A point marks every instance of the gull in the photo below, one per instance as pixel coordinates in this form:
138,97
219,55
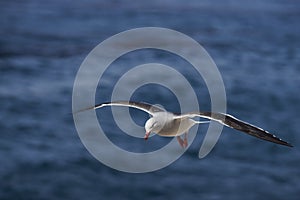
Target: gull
168,124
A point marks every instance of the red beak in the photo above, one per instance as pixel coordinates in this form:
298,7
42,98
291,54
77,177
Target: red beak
147,135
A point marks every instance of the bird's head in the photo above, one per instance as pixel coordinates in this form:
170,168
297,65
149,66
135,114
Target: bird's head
152,125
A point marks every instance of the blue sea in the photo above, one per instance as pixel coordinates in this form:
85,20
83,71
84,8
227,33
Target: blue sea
254,43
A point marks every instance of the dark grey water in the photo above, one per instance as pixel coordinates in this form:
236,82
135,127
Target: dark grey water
255,45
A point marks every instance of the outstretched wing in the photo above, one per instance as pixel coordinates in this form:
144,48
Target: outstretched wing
237,124
151,109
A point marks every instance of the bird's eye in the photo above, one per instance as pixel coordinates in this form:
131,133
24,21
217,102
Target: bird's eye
154,124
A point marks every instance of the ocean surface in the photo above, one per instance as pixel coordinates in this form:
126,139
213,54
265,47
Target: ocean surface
255,44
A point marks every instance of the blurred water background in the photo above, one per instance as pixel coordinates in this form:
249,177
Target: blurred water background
255,44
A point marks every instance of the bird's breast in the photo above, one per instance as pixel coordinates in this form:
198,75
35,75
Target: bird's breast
176,127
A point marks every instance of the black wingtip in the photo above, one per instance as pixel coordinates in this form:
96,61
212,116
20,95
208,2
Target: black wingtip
278,141
82,110
282,142
288,144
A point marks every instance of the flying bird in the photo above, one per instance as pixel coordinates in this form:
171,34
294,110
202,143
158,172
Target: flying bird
168,124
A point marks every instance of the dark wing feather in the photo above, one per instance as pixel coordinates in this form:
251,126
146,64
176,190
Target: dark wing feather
237,124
